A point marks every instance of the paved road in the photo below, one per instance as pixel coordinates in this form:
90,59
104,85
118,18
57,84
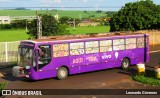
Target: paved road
106,79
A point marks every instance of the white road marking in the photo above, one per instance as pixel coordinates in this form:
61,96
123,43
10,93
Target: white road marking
154,51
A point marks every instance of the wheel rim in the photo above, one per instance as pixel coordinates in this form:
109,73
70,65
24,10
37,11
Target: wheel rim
62,73
125,64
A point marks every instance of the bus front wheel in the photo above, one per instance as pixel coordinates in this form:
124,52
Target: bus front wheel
125,63
62,73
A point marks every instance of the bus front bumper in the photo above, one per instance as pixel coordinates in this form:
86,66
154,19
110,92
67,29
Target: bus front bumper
19,71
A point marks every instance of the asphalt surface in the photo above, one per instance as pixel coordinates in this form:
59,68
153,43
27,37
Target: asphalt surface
106,79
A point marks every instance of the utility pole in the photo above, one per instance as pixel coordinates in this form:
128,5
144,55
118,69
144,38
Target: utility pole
74,23
39,27
26,26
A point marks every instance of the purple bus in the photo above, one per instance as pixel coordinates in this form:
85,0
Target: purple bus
63,56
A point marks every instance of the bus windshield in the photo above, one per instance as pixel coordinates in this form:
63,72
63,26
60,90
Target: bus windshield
25,56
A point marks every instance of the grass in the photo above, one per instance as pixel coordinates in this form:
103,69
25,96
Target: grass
20,34
12,47
16,35
2,86
89,29
147,78
13,35
61,13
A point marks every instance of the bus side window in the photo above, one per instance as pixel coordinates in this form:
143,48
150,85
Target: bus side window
91,47
60,50
118,44
141,41
105,45
77,48
130,43
44,56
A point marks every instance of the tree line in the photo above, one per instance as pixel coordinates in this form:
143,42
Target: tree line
50,26
16,24
140,15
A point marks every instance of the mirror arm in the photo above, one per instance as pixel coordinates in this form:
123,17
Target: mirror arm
40,51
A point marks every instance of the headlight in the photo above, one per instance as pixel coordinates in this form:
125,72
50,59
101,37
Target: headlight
28,67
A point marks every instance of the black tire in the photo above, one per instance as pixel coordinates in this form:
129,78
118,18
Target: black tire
62,73
125,63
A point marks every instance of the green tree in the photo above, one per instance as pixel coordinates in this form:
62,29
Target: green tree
99,11
18,24
5,26
85,11
64,20
136,16
50,26
110,13
62,30
32,29
68,21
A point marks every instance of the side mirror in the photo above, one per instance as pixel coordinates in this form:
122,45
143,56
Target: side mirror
28,67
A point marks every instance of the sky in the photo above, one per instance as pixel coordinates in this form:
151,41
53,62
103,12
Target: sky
62,4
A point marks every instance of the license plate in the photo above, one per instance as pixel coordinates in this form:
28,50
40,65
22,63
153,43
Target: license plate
27,76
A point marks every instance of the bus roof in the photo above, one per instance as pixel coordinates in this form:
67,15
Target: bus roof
86,36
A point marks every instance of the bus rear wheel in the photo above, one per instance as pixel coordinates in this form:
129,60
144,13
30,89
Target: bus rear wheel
62,73
125,63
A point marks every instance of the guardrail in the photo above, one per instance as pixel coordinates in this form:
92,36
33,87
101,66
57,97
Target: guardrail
8,52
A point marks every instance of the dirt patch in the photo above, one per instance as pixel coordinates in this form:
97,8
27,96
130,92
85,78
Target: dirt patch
1,75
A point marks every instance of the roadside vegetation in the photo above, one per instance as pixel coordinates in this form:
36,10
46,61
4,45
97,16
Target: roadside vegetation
2,86
147,78
51,25
61,13
20,34
89,29
13,35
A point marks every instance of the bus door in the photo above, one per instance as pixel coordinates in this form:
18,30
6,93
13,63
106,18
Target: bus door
44,68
